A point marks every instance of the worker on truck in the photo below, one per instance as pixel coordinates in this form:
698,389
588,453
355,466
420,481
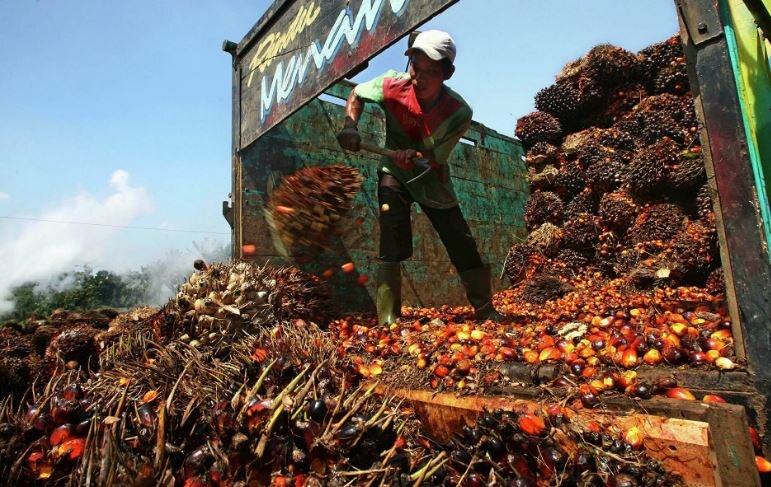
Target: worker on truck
424,118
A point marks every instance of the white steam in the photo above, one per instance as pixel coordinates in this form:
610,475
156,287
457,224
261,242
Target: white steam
40,250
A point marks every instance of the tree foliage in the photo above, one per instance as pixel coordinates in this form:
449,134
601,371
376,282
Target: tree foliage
86,288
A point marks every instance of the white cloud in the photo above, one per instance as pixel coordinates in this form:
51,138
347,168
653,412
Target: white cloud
41,250
4,196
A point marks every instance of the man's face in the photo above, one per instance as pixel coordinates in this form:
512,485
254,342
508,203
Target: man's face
427,77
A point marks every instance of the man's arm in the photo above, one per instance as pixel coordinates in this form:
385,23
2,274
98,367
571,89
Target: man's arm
349,137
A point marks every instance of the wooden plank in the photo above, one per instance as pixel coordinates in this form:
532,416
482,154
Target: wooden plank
301,47
689,438
732,449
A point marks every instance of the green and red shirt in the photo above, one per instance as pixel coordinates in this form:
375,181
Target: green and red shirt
433,133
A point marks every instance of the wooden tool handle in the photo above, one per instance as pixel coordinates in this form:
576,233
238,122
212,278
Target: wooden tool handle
377,149
420,161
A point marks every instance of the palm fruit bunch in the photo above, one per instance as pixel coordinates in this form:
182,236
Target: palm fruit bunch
306,205
695,250
76,343
219,298
704,206
605,176
688,174
542,153
522,262
538,127
618,210
546,239
660,56
574,261
657,222
619,102
612,65
543,207
584,202
664,115
649,170
545,287
570,180
716,282
581,232
15,374
629,173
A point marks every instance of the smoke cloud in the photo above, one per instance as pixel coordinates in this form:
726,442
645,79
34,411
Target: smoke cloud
36,251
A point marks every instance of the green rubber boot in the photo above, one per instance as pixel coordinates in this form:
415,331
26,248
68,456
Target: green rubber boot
479,292
389,292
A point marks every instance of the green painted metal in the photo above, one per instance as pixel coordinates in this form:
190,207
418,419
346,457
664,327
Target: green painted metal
488,172
749,53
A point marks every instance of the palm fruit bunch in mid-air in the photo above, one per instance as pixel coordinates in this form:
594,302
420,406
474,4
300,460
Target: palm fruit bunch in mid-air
615,161
303,209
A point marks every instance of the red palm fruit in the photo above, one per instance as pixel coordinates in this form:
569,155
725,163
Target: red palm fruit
72,392
327,274
441,371
713,399
375,369
507,353
680,393
74,447
61,434
33,458
628,378
531,424
671,339
554,410
634,436
570,357
697,358
348,267
149,396
678,329
147,415
363,279
422,362
588,372
463,366
546,341
531,356
629,359
712,356
764,466
550,353
722,335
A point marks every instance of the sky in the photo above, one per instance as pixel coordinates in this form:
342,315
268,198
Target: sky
117,114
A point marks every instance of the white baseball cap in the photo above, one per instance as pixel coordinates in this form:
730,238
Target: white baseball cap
435,44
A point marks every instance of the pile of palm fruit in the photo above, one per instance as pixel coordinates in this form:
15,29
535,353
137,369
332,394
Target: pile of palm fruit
618,183
214,390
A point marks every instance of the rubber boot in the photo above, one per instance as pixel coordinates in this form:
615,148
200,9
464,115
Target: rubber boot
479,292
389,292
